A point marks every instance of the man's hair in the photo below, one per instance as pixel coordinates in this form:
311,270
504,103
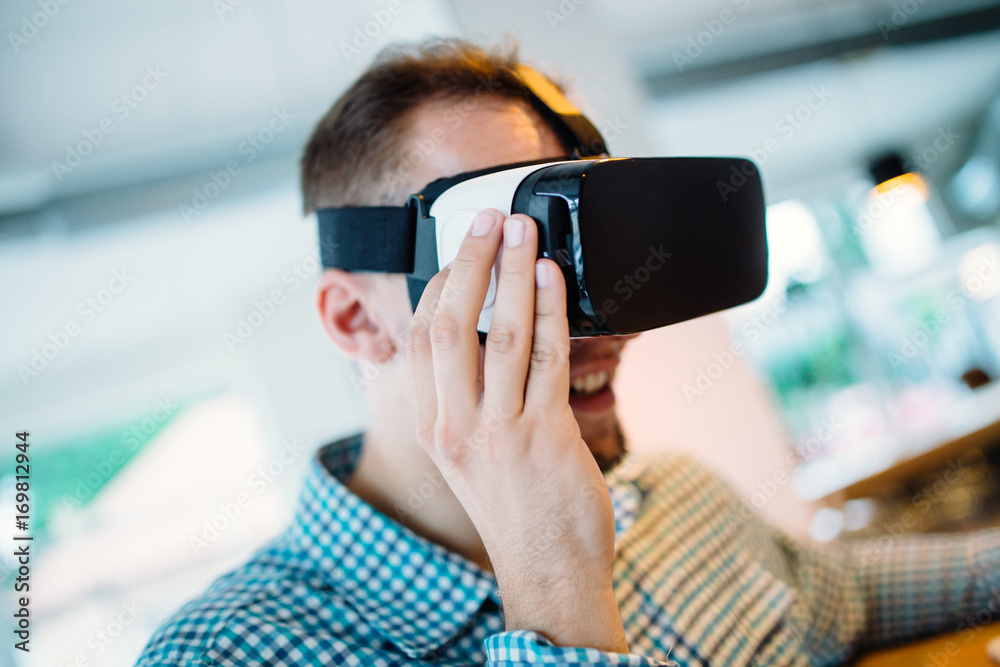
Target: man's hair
355,155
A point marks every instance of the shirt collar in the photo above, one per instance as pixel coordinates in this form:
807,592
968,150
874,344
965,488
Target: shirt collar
382,568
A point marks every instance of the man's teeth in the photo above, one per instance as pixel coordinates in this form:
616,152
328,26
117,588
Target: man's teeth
590,383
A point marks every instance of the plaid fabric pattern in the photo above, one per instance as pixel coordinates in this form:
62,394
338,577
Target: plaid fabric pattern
699,581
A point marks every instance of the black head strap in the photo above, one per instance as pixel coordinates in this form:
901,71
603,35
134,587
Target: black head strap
571,125
367,238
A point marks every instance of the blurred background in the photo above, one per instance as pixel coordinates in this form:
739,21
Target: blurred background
160,342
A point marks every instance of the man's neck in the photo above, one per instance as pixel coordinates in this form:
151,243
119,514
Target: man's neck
396,477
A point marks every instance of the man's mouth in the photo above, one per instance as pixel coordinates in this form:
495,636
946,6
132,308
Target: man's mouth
591,392
588,384
592,369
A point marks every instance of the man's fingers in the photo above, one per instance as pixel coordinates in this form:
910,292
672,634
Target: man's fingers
454,341
548,374
508,345
420,358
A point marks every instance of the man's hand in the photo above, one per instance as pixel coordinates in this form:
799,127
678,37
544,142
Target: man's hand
506,440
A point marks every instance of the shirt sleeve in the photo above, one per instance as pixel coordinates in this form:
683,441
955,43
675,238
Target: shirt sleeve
524,647
922,584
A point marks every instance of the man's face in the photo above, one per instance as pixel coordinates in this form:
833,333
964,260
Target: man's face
499,131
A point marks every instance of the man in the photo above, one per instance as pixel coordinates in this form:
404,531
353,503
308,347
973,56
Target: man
481,517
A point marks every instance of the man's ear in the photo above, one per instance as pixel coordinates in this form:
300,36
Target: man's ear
347,309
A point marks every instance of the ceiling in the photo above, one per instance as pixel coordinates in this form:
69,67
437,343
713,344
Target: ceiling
226,68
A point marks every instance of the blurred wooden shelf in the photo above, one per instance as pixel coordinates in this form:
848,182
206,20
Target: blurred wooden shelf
983,438
856,472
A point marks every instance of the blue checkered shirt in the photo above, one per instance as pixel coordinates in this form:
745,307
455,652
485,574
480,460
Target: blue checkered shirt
698,578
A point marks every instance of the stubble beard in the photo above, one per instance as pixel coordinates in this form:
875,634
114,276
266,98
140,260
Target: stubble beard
606,441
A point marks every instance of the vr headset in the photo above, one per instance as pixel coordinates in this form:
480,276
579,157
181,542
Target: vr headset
642,242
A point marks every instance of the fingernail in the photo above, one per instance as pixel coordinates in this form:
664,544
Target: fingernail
541,274
513,232
483,223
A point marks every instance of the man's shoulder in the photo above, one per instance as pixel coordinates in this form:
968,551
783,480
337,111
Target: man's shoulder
651,470
274,600
676,486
